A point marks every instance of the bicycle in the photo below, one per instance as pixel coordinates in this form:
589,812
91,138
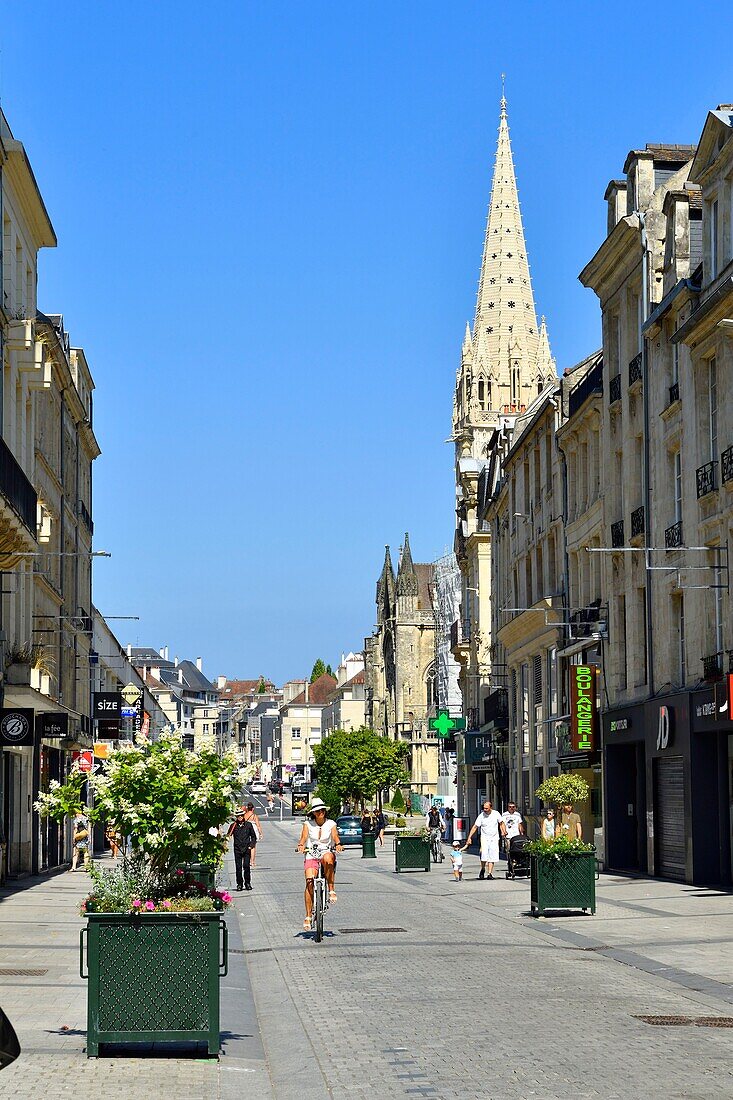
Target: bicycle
436,845
320,896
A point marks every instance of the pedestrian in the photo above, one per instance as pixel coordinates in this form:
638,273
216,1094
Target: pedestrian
244,839
280,788
548,825
111,835
570,825
80,840
512,821
367,823
491,827
380,824
250,815
456,858
270,802
408,804
450,813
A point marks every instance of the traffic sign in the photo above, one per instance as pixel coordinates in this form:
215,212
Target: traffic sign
85,761
444,725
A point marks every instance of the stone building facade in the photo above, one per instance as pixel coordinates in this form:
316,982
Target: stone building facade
400,665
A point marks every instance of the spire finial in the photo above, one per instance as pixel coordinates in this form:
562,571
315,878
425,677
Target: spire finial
503,97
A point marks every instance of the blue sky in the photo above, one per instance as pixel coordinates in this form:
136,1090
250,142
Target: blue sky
270,220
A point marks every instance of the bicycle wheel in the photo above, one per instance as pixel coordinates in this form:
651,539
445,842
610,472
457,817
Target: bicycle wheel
318,892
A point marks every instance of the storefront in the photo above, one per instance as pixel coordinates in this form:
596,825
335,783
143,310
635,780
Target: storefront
483,770
668,767
578,748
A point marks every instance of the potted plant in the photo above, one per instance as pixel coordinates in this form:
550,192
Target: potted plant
156,941
563,869
412,850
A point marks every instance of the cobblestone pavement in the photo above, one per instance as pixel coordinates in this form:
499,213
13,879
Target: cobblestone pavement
423,987
475,998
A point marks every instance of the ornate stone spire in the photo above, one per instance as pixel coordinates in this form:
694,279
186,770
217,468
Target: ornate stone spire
406,575
546,366
505,336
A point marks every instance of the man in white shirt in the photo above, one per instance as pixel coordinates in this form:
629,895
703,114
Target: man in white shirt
490,822
512,820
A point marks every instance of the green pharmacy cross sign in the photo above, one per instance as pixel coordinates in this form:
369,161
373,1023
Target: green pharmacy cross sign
444,725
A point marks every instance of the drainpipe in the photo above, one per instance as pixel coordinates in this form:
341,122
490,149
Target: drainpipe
646,471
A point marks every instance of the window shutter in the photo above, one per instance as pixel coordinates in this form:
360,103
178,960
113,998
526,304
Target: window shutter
537,679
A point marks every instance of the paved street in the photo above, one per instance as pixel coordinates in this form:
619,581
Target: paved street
448,990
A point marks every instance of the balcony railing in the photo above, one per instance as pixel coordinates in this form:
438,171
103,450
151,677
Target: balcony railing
496,705
614,389
637,522
726,465
17,489
674,393
706,479
673,536
460,633
635,369
712,666
617,533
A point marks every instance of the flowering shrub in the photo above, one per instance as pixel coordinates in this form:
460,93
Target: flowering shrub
169,800
558,848
563,789
134,887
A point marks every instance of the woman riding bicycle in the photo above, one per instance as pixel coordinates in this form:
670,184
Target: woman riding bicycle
319,839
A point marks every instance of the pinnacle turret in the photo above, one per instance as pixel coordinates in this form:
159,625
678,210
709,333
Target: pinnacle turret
406,575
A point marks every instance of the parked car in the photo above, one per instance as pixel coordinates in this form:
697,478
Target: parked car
258,786
349,830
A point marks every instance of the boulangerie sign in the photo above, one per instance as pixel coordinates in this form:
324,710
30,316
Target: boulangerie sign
583,708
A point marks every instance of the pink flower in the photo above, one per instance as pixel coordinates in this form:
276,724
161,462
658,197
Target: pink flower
179,871
166,904
226,898
136,903
150,905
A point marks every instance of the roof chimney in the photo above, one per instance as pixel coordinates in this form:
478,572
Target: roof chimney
166,653
199,664
129,649
161,653
175,662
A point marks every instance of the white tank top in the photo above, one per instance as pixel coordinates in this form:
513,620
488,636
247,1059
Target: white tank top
319,836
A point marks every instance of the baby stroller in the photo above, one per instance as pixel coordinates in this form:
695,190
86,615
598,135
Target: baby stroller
518,857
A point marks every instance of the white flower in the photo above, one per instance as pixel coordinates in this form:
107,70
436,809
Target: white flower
213,831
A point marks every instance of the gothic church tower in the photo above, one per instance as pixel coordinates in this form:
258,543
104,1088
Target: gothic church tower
506,360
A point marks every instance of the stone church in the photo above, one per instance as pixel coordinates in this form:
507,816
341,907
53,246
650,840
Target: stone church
401,663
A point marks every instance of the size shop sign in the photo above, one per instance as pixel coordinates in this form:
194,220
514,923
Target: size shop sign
583,708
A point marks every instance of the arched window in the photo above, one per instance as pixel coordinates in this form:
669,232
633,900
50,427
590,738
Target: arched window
431,697
481,392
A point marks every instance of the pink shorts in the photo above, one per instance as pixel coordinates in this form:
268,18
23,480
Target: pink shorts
312,864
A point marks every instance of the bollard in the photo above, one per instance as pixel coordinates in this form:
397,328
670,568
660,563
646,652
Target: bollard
368,850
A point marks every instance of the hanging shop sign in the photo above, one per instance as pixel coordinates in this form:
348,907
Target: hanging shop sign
53,724
583,708
107,706
664,728
132,694
16,727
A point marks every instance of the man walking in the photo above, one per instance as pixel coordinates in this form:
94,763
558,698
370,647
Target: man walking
244,838
513,823
490,824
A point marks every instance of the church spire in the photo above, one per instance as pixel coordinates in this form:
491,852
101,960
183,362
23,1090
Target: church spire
505,327
546,366
406,575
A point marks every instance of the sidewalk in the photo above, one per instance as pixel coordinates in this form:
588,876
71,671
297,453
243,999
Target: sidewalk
45,999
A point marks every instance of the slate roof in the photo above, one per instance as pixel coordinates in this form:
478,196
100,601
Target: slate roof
248,687
424,586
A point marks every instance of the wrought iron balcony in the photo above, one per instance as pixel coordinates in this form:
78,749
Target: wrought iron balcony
17,489
726,465
614,389
460,633
635,369
673,536
496,705
617,533
637,522
591,384
712,666
674,393
707,480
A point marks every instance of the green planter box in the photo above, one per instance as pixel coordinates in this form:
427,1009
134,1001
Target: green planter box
411,853
153,978
568,883
368,850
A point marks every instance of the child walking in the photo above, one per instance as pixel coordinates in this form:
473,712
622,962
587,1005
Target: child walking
456,858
